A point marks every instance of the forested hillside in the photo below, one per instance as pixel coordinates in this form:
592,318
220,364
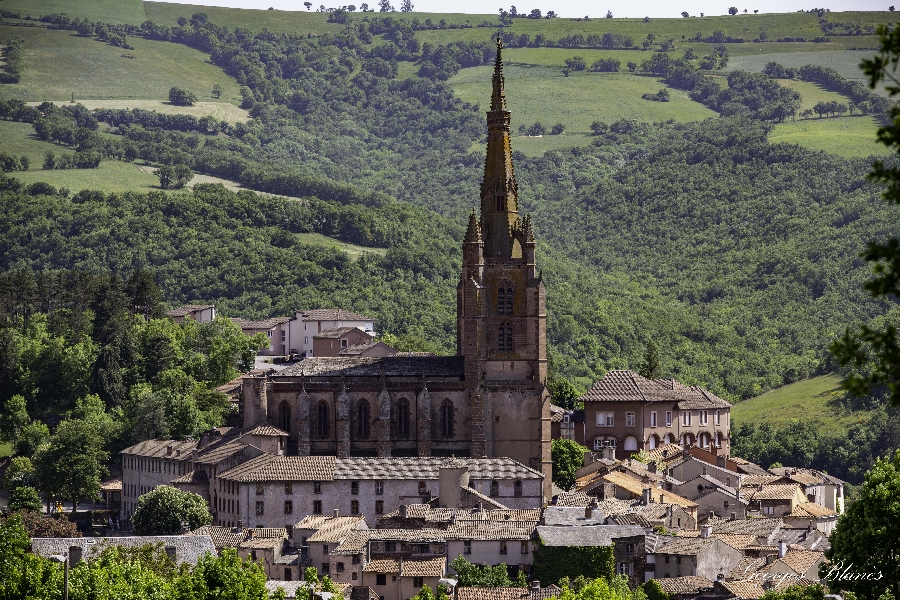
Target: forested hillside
738,257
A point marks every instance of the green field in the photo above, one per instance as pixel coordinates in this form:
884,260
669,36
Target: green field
110,176
811,93
104,11
56,64
222,111
18,138
354,252
278,21
545,95
845,62
845,136
811,401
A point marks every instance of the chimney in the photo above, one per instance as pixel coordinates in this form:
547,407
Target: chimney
662,498
759,487
169,450
75,553
195,456
651,468
404,511
535,586
712,515
721,460
782,548
645,500
337,513
587,512
705,531
609,452
668,511
178,452
240,526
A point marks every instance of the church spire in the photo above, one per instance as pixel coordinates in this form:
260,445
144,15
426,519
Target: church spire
499,190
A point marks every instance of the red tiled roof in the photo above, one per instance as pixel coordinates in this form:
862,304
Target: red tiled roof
627,386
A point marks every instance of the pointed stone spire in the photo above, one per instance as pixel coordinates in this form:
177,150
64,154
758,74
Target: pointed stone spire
473,232
499,190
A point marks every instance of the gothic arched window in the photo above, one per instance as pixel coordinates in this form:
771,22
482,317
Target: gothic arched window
400,419
505,300
504,337
363,424
284,416
447,418
322,421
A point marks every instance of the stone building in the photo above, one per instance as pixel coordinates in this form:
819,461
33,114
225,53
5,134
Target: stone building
489,400
631,413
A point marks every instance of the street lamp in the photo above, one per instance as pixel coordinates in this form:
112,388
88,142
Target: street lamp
64,559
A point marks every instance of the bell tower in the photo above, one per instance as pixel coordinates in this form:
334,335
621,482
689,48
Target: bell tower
501,311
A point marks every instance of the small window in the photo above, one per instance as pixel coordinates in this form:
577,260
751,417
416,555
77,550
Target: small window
379,507
354,487
629,419
288,507
326,568
517,488
288,488
678,559
667,560
668,418
259,489
623,568
718,417
381,579
726,504
317,487
317,507
686,418
355,559
390,546
467,547
325,549
343,343
288,574
260,507
653,418
502,547
524,549
418,582
353,577
340,567
495,488
629,548
704,417
610,419
354,507
379,488
422,488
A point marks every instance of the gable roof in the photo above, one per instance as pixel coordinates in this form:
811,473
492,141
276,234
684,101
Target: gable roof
183,311
375,366
230,537
637,487
507,593
491,530
336,332
574,498
627,386
811,509
777,491
271,467
331,314
411,567
336,529
188,548
562,515
587,535
748,589
685,585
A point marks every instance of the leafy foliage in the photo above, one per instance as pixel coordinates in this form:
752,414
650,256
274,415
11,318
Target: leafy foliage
558,564
24,498
470,575
568,457
600,588
57,525
71,465
163,510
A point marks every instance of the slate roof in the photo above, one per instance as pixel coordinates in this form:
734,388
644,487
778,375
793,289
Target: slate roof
812,510
331,314
271,467
685,585
412,567
784,491
758,527
182,311
491,530
630,519
560,515
336,332
267,430
587,535
336,529
188,548
360,347
197,476
627,386
684,546
574,498
374,366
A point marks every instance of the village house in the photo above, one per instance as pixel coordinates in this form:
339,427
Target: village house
793,565
275,328
374,348
714,498
777,500
202,313
402,578
631,413
270,547
306,324
809,515
703,556
821,488
688,467
330,342
317,535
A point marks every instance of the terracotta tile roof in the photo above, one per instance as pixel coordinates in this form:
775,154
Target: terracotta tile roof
269,467
786,582
615,506
758,527
666,452
736,540
267,430
784,491
197,476
627,386
336,529
685,585
261,543
159,449
336,332
497,514
507,593
575,498
331,314
428,467
218,453
408,535
374,366
111,485
636,486
800,561
360,347
819,476
263,324
684,546
754,480
491,530
556,413
355,542
187,309
630,519
229,537
744,590
745,568
811,509
412,567
471,496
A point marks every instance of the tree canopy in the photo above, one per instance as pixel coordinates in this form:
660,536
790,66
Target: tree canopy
163,511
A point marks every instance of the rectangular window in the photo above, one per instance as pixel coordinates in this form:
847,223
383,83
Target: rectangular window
325,549
354,507
390,546
601,419
379,488
668,418
629,548
326,568
768,510
653,418
354,487
355,559
260,507
718,417
502,547
317,487
609,419
340,567
629,419
288,488
686,418
288,507
379,507
704,417
380,579
317,507
418,582
623,568
467,547
524,548
259,489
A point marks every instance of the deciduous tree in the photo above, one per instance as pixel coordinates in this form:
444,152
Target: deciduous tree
163,510
568,457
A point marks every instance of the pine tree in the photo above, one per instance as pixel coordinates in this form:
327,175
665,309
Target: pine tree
650,365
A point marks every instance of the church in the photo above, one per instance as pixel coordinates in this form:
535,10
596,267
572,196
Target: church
490,400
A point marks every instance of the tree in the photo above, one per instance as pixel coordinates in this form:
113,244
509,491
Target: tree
23,574
891,8
71,465
308,5
654,591
180,97
24,498
19,472
166,174
537,129
535,13
733,10
39,526
385,6
685,14
609,14
599,127
31,437
406,6
650,365
426,594
216,91
13,418
863,540
163,510
568,457
484,576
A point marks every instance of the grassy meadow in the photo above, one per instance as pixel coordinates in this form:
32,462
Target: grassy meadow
57,64
129,12
300,21
19,139
110,176
849,137
222,111
813,400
